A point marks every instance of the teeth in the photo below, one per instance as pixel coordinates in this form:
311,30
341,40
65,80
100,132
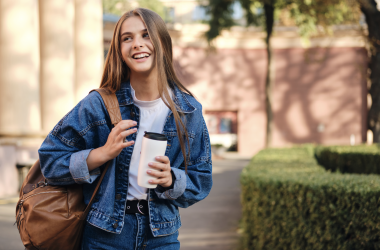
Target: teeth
141,55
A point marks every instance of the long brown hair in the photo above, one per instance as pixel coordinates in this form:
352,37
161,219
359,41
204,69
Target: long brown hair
115,71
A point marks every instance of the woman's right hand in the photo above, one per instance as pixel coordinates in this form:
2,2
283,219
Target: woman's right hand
114,145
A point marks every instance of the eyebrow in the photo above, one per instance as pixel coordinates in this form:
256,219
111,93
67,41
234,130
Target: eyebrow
129,33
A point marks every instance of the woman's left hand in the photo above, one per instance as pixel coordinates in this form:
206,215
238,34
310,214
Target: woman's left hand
162,172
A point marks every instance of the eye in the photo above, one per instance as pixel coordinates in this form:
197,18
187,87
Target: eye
146,35
126,38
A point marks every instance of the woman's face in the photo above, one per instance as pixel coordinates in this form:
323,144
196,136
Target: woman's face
136,47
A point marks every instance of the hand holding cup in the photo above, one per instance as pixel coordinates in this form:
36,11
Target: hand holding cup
161,172
153,145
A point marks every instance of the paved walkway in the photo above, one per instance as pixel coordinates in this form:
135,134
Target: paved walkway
9,237
210,224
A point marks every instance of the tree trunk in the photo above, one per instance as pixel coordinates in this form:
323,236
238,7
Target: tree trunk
372,15
269,20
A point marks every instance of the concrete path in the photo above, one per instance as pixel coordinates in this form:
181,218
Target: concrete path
210,224
9,237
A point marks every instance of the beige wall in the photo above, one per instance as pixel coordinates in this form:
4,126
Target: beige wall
57,60
51,56
88,39
19,68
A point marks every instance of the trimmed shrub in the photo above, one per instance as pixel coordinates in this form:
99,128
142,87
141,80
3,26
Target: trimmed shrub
290,202
350,159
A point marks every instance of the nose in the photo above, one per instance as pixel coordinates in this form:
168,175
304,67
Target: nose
137,42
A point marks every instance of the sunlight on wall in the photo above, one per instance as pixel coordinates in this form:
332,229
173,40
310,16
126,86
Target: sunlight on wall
19,59
34,122
88,40
57,60
295,113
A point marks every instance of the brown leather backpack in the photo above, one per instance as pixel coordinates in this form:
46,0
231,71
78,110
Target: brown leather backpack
52,217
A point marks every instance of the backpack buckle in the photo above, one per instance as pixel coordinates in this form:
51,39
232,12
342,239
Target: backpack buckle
42,183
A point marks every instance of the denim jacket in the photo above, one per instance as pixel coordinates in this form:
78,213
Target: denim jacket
64,152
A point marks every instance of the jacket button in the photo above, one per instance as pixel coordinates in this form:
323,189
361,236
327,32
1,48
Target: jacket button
133,114
118,196
115,225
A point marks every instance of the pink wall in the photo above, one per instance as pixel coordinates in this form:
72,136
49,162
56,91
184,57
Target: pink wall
322,87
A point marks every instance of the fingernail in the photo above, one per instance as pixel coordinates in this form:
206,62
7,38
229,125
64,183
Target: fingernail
149,171
150,181
157,157
132,142
134,123
135,129
150,164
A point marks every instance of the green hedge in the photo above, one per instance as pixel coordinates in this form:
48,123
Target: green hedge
290,202
350,159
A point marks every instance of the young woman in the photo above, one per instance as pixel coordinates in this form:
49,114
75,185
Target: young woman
124,215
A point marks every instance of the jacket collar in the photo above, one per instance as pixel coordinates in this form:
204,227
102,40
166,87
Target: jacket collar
183,105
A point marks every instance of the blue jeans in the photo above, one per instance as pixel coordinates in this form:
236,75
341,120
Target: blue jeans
136,234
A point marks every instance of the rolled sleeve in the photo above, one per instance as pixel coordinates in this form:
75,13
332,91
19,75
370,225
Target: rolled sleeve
79,169
178,187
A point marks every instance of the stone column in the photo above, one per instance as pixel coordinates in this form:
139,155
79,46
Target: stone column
57,60
88,46
19,68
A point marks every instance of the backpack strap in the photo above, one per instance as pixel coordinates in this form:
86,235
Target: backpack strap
112,105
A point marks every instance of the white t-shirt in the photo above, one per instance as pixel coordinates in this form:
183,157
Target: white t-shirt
152,119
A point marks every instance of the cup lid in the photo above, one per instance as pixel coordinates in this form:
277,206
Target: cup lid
155,136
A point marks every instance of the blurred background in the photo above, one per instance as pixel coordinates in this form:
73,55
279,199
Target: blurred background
268,73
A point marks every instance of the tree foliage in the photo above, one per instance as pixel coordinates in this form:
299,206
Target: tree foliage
154,5
119,7
221,17
310,16
116,7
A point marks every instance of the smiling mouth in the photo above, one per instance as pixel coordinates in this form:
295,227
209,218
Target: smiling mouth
139,56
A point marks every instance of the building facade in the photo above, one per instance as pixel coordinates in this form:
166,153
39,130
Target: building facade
51,55
320,89
319,92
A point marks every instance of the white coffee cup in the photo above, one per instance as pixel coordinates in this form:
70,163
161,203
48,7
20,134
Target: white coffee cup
153,145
